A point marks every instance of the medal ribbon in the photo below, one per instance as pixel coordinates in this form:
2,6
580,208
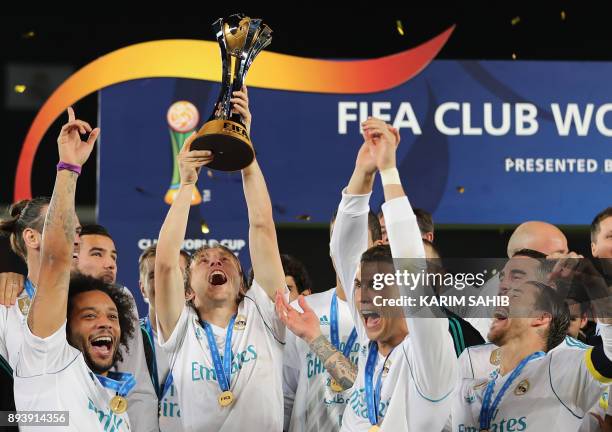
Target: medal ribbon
122,383
29,287
334,332
372,395
487,410
159,390
222,369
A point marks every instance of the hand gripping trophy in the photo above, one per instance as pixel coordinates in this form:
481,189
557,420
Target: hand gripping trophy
240,38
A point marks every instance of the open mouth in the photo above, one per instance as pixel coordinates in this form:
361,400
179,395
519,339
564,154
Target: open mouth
501,314
372,319
217,277
102,345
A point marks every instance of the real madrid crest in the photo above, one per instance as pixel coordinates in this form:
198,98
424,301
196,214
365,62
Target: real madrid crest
386,367
240,323
495,358
522,388
24,305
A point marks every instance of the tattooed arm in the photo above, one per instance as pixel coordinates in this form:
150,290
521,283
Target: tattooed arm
306,325
339,367
49,307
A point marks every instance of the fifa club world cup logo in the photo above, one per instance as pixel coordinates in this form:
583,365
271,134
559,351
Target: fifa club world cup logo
183,118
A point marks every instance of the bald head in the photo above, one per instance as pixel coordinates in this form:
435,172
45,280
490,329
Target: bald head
538,236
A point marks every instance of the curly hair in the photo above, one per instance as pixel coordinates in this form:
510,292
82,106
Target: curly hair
80,283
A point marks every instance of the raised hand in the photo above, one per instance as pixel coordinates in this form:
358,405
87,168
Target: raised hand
71,148
11,285
304,325
191,162
240,105
382,141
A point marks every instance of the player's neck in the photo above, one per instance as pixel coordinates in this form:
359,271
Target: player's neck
218,314
340,290
387,345
516,350
33,263
152,318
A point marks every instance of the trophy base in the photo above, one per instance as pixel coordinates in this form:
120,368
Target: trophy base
229,142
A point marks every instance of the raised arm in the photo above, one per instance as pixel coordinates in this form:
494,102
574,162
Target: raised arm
305,325
432,355
49,307
350,232
263,245
169,282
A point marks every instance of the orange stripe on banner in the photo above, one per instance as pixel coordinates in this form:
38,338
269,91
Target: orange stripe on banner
201,60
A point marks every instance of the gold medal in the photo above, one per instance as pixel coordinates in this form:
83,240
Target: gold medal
335,386
118,404
226,398
374,428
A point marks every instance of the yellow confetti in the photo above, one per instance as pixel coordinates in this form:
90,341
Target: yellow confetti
516,20
460,189
303,217
400,27
204,227
513,56
562,15
20,88
29,35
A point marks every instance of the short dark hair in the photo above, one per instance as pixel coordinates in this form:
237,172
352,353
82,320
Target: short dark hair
296,269
94,229
546,265
549,300
80,283
432,246
151,251
373,225
596,224
424,220
378,253
24,214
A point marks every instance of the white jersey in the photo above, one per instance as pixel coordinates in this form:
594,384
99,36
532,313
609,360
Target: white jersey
12,321
52,375
142,400
421,372
310,404
169,409
256,380
553,392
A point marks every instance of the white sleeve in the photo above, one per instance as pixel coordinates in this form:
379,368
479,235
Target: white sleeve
291,375
432,355
175,341
465,365
579,376
143,399
40,356
265,305
3,330
348,242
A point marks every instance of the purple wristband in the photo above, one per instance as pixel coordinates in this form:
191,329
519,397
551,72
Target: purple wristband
70,167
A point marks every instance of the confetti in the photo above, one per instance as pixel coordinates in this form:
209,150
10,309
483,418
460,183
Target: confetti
400,27
20,88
